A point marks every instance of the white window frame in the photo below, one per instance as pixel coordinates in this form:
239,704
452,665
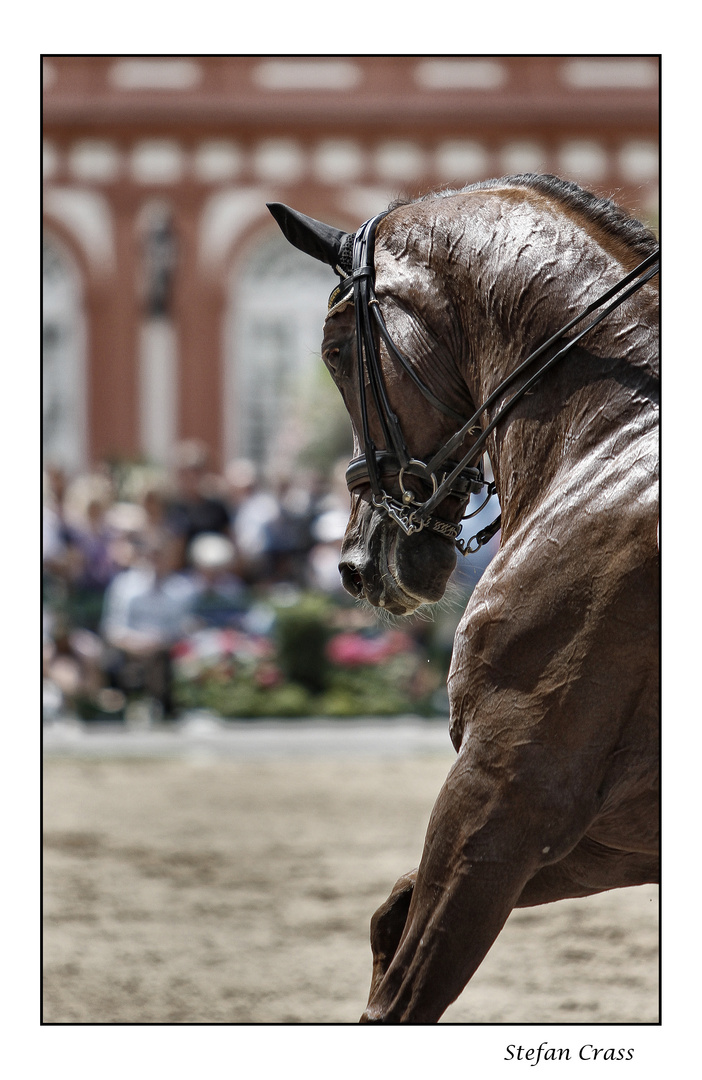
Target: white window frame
273,333
64,365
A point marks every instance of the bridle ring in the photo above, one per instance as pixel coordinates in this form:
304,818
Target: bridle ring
408,497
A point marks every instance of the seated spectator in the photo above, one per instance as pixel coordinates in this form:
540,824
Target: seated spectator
155,505
53,523
147,609
55,485
93,565
323,560
255,514
328,529
71,666
220,596
77,556
139,522
54,546
290,536
194,509
127,521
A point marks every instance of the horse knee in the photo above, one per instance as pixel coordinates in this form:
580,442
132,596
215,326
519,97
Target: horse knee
389,920
387,925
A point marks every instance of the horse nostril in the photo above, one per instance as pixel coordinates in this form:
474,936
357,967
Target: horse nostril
351,579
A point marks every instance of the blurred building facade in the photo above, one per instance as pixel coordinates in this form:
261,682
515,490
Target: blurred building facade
172,306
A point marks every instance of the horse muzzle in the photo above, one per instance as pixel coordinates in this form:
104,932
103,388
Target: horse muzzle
392,571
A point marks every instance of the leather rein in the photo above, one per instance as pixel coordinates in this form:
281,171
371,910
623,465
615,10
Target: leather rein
445,475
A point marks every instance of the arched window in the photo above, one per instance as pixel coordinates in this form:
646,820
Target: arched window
274,334
63,359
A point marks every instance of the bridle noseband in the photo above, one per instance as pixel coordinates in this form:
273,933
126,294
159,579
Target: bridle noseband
445,476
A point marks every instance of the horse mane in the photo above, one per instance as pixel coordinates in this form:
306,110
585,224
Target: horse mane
601,212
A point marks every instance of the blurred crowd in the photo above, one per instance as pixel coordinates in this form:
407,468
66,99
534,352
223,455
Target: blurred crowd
135,560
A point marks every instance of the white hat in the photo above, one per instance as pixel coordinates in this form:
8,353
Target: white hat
211,551
330,526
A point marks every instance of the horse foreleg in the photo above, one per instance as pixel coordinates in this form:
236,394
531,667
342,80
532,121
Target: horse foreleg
387,925
488,836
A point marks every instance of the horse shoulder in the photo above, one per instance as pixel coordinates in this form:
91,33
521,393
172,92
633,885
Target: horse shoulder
563,624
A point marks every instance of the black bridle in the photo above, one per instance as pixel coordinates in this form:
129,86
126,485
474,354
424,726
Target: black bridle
445,476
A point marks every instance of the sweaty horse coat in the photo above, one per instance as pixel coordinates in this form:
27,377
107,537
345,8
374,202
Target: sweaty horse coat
553,684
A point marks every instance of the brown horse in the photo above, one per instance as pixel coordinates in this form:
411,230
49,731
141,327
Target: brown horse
554,681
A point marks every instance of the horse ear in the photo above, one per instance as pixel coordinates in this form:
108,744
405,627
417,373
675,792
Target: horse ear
321,241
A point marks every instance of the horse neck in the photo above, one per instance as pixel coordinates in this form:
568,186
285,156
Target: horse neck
521,294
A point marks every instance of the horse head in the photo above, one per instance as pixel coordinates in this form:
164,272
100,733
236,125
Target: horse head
391,568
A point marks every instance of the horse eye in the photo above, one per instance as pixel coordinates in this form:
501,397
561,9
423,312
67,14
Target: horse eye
331,359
